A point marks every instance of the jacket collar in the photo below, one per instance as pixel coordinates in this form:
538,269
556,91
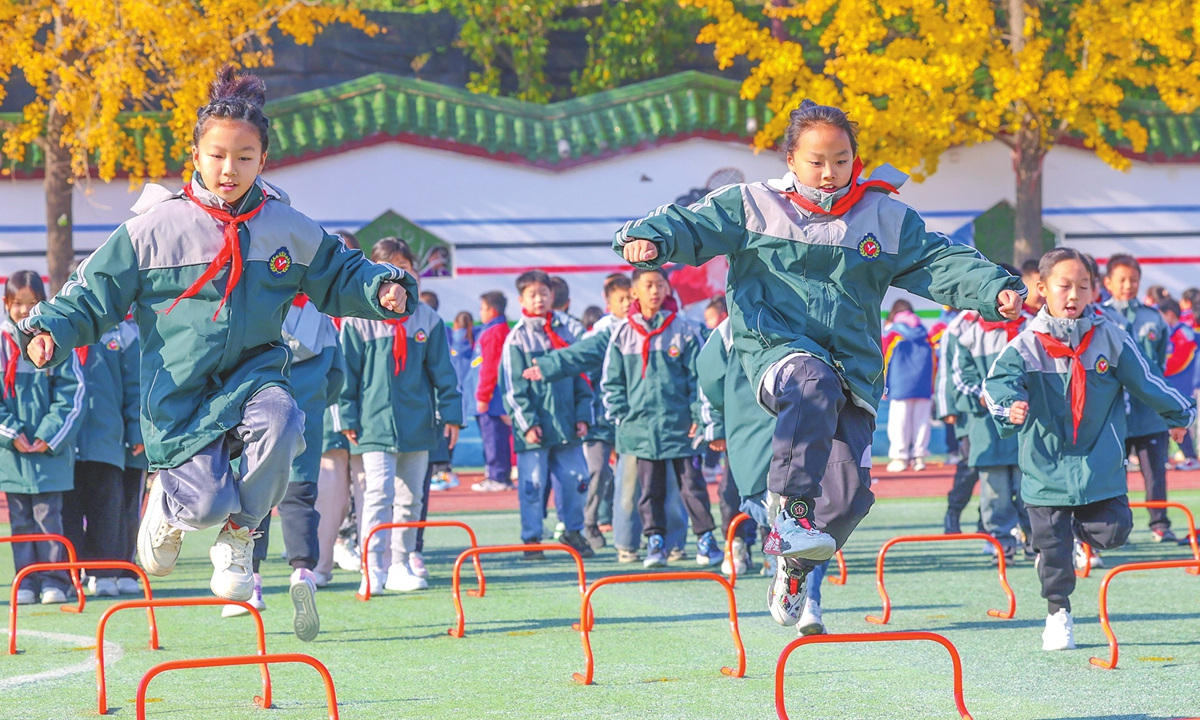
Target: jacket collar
884,172
153,194
1069,331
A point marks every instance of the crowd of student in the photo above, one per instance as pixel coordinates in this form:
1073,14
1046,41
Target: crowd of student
785,380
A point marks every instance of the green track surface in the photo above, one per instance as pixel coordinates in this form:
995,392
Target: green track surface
658,647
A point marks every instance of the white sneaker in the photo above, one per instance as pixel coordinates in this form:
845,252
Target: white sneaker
377,582
321,579
233,577
798,539
768,565
897,466
416,564
1188,465
53,596
810,620
346,557
158,542
918,464
102,587
786,594
128,586
303,590
26,597
741,558
1081,559
490,486
256,601
559,529
1060,632
953,459
401,579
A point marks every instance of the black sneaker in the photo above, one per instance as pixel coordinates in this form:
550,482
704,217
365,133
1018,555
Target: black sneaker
534,554
1010,554
594,537
575,540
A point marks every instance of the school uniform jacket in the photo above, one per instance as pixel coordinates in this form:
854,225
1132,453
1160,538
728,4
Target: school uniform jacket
556,406
403,411
813,283
945,395
1057,468
317,374
197,372
110,411
654,411
42,404
745,426
978,348
587,357
1151,336
131,363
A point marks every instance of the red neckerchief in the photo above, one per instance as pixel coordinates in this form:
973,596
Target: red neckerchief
300,301
556,340
647,335
231,250
1011,327
82,352
847,201
399,344
1056,348
10,367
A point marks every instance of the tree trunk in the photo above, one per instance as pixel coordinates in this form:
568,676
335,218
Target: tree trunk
778,31
59,186
1027,228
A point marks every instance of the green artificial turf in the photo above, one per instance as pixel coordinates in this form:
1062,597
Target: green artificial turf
659,647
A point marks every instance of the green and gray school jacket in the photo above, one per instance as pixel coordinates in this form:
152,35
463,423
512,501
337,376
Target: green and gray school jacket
555,406
1152,337
653,413
131,361
110,407
813,283
317,376
945,395
197,372
402,412
45,405
1057,470
977,350
746,427
587,357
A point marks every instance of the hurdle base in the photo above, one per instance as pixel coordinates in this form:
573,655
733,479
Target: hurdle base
876,620
579,678
1102,664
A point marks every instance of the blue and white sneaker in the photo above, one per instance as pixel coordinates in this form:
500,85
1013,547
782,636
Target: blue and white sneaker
656,556
707,552
787,592
793,535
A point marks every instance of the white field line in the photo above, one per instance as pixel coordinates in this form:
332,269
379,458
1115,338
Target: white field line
112,653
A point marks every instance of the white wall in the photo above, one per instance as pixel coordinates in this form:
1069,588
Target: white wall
472,201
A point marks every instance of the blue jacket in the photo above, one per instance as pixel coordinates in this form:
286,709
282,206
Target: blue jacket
462,350
908,362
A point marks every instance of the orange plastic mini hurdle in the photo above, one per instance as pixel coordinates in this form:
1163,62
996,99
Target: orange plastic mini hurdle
280,658
732,533
422,524
1191,521
71,557
475,552
887,603
78,565
781,711
1111,663
102,694
586,616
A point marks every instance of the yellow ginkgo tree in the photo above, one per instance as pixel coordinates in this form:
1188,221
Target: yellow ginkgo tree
921,76
117,82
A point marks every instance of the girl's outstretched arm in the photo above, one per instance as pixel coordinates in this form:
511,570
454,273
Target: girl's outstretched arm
342,282
690,235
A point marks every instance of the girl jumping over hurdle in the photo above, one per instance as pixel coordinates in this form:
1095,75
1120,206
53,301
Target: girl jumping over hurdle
810,258
209,273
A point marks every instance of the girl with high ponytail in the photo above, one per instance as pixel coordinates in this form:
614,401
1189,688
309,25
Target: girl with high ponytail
811,256
209,274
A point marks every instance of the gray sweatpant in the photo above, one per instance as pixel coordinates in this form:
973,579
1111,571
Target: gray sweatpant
205,491
1000,507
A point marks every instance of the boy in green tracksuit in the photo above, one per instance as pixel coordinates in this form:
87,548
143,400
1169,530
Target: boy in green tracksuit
652,396
550,419
209,273
400,394
1061,386
810,258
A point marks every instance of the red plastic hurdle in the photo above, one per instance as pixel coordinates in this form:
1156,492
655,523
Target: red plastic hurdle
781,711
102,694
732,533
277,659
422,524
79,565
1111,663
475,552
587,616
71,557
887,602
1191,521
